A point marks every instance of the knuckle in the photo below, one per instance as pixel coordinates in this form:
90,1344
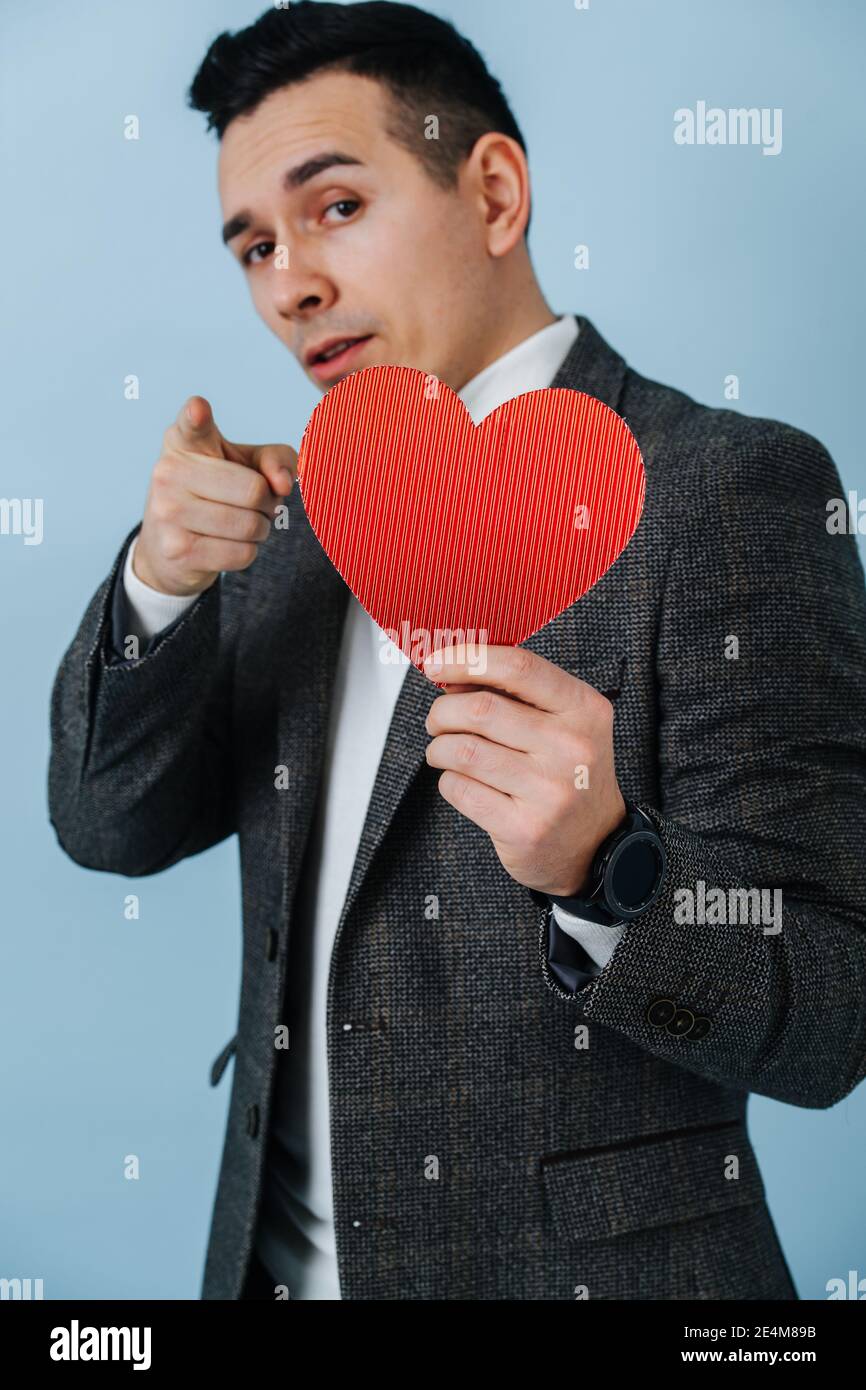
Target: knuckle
246,554
478,797
164,506
468,751
164,471
482,704
600,706
174,543
248,526
521,661
459,793
257,491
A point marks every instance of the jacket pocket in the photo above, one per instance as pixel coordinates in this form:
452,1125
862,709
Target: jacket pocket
594,1194
606,675
221,1062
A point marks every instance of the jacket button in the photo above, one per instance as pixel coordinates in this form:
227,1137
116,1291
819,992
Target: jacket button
660,1012
272,941
252,1120
681,1023
699,1028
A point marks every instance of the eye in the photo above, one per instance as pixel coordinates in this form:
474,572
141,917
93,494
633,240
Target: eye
346,207
250,258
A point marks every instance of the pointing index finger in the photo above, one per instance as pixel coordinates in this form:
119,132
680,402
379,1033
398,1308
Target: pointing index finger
197,428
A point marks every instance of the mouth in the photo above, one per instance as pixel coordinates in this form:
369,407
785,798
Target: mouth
331,358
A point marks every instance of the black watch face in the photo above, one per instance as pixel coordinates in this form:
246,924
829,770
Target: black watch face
634,873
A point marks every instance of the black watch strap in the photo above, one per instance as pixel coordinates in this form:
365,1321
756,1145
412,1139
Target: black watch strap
621,887
587,910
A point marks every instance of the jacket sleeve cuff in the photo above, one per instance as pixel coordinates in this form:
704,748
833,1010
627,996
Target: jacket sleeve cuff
564,961
122,627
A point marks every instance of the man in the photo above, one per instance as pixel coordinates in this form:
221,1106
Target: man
486,1094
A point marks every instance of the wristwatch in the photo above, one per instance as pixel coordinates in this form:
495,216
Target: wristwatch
626,875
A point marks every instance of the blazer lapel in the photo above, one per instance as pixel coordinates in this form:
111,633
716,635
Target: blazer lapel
590,366
306,649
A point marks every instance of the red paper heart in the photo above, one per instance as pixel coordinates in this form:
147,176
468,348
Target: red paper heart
441,527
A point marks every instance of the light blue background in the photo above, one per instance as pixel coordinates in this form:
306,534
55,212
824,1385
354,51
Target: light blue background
704,261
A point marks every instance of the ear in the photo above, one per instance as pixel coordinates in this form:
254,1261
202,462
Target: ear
497,178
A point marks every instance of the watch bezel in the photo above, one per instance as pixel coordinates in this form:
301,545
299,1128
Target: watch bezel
599,903
611,861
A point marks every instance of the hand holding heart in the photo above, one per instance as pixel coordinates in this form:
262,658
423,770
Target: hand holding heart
486,534
514,754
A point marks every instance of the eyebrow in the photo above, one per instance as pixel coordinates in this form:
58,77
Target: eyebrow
293,178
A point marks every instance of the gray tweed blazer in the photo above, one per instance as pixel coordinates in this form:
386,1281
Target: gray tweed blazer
590,1142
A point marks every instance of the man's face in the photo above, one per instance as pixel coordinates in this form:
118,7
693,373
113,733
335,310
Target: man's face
377,252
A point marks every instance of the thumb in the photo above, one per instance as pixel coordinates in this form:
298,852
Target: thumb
278,464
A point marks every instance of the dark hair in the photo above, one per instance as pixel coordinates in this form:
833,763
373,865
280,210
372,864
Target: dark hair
427,67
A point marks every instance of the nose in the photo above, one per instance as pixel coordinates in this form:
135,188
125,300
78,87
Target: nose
300,289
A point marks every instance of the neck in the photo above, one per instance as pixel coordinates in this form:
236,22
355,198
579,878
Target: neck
528,313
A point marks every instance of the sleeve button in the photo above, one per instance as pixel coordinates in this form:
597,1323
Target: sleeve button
660,1012
681,1023
699,1028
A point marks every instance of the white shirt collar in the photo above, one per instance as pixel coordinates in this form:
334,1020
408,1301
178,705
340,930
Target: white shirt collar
530,366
